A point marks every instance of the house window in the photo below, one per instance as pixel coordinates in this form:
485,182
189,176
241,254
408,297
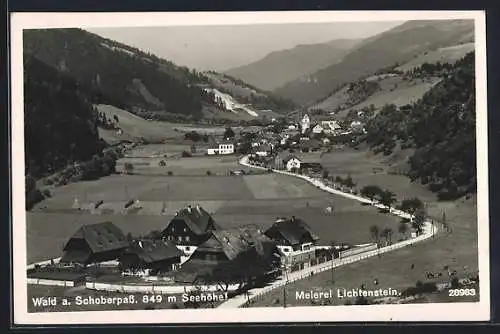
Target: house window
187,238
185,229
179,238
170,238
187,249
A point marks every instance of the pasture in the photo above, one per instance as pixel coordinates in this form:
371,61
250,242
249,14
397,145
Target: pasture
136,127
234,201
458,249
175,164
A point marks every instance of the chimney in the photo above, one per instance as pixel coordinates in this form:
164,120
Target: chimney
198,207
189,208
140,243
293,218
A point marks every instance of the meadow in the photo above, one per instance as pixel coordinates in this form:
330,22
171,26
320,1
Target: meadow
234,201
457,249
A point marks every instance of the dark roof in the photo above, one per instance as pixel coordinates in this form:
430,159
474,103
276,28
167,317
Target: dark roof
192,270
153,250
76,255
214,142
238,240
311,143
289,157
197,219
293,230
101,237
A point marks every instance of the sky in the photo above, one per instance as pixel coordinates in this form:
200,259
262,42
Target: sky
224,47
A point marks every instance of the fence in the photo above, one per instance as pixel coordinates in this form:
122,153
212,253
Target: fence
329,265
42,281
156,289
43,263
367,252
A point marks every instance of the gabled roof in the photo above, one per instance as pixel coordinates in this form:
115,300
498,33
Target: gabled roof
293,230
101,237
238,240
153,250
289,157
197,219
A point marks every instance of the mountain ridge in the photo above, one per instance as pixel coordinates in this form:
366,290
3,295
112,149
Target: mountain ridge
279,67
395,46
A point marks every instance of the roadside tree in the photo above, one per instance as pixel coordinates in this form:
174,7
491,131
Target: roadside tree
371,191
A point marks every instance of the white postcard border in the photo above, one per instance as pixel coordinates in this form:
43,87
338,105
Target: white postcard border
479,311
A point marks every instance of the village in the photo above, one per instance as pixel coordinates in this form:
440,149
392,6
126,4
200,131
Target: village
193,252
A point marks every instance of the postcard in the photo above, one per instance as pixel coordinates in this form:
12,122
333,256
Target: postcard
249,167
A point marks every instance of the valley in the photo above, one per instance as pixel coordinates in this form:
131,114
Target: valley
218,170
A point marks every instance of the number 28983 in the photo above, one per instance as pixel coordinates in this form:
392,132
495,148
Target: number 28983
461,292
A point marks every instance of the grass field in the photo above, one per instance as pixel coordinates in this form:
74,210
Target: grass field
146,161
136,127
235,201
457,249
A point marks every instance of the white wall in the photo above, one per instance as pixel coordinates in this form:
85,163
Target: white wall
226,148
292,163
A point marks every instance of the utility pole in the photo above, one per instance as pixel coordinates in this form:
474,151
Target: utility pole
285,267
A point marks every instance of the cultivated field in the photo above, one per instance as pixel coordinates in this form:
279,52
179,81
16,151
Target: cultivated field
234,201
146,161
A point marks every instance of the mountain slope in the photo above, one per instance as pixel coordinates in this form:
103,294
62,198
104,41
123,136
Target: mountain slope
396,46
118,74
440,128
60,122
279,67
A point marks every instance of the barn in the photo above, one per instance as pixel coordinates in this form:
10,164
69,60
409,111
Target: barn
237,252
95,243
158,256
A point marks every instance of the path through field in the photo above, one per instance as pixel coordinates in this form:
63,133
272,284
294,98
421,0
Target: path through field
428,231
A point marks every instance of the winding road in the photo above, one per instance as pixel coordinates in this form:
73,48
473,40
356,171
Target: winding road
428,231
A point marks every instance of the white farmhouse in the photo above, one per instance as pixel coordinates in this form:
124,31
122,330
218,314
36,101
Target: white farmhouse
222,148
317,129
291,162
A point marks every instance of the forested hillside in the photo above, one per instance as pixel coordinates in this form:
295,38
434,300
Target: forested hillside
440,128
60,122
118,74
60,128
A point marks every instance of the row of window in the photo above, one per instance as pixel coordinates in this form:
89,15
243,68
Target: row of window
224,147
179,238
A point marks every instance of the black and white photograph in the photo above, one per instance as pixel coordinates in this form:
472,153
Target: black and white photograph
249,167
